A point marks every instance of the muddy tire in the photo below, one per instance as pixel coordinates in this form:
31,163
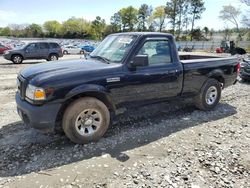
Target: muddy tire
209,95
86,120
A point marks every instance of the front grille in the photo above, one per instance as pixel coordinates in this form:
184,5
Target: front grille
21,86
247,70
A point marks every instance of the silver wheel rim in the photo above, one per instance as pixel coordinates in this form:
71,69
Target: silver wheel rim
88,122
211,95
17,59
53,58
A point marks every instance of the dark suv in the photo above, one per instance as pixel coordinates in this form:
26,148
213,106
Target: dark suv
36,50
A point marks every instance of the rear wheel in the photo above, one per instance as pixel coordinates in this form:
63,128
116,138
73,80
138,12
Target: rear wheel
86,120
17,59
209,95
53,57
65,52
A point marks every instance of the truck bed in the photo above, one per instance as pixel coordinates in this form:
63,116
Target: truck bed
189,57
198,67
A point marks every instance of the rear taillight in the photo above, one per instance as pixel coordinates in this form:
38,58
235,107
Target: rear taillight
238,68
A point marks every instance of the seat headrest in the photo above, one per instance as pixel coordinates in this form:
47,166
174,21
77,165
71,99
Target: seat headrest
162,48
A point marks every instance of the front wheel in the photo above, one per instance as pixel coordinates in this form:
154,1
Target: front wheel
86,120
209,95
17,59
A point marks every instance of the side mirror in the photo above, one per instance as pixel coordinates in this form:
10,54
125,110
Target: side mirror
139,61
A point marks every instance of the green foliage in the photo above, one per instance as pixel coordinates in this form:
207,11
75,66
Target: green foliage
128,18
178,14
52,28
6,31
172,9
206,31
116,23
197,34
98,26
227,34
196,9
159,16
144,13
34,30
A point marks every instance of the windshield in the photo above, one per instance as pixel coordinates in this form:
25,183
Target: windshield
114,48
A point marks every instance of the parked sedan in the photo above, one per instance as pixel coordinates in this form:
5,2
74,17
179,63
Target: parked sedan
3,48
71,50
245,70
88,48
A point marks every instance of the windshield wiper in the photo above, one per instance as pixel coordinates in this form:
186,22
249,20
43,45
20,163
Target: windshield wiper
106,60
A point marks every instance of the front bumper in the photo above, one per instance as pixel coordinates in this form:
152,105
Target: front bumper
39,117
7,56
245,75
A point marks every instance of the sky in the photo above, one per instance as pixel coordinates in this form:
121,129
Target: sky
39,11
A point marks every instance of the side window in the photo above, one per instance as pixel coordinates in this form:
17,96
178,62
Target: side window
54,45
158,52
44,46
32,47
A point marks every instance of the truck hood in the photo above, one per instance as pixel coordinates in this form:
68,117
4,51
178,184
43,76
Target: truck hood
63,68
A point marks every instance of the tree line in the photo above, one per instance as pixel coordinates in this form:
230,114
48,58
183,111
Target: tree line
176,16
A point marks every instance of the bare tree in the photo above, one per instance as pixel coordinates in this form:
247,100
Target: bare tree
247,2
172,10
195,10
245,19
144,12
230,14
160,16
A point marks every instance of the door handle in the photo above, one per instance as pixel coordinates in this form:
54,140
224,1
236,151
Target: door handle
172,71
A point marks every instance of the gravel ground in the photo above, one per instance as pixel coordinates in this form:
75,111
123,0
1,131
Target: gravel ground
170,144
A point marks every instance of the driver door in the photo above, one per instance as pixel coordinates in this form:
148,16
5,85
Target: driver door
32,51
160,79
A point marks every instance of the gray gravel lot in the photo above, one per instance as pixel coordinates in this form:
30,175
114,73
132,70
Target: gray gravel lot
171,144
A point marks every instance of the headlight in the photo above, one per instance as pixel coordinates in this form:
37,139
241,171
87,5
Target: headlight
243,65
35,93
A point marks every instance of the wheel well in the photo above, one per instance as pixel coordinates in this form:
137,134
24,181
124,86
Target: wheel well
100,96
16,54
53,54
219,79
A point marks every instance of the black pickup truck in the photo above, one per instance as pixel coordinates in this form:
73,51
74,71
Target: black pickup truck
126,69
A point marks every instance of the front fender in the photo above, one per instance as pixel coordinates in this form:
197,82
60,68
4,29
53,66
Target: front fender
86,88
92,90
